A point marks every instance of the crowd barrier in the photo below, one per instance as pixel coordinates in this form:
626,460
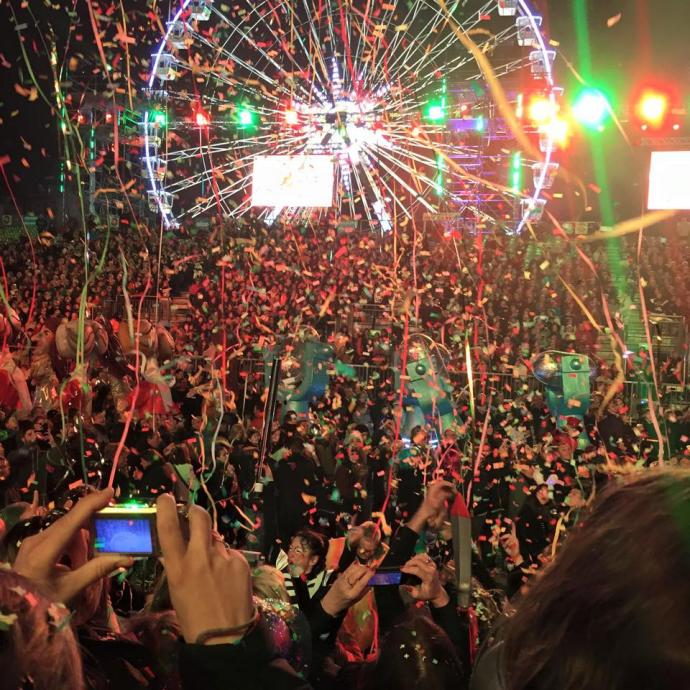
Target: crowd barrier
505,385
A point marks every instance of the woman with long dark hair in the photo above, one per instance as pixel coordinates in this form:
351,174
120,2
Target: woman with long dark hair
613,610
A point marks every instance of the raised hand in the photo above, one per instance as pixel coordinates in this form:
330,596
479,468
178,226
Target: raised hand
39,555
430,588
350,587
210,585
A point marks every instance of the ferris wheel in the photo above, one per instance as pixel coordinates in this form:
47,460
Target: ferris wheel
374,101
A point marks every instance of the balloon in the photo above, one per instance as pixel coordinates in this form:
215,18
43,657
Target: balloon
66,339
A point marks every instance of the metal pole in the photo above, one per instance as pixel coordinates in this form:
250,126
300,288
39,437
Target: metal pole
269,413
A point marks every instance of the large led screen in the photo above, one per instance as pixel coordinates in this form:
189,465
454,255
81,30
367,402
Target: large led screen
669,181
293,181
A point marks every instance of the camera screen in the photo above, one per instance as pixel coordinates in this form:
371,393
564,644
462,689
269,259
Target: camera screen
391,577
123,535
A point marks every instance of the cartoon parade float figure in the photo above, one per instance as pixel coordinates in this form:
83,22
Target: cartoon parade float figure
14,392
566,377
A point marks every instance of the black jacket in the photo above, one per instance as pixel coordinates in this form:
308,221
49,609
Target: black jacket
247,665
488,671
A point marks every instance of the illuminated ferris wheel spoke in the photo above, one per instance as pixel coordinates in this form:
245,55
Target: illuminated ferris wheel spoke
362,29
377,192
417,157
246,36
308,55
295,65
316,45
418,197
393,71
409,168
362,192
403,57
435,56
383,74
244,64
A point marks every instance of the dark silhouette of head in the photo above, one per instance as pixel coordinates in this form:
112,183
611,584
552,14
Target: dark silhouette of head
415,655
613,610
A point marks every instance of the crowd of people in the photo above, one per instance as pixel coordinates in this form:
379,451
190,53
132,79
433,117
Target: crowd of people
316,549
257,283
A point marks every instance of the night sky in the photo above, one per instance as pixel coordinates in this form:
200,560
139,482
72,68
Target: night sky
649,41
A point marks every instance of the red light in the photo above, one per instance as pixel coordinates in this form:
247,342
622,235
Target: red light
201,119
81,119
108,117
291,118
541,110
653,107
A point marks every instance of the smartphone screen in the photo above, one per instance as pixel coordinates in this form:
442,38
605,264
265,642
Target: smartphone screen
130,534
385,578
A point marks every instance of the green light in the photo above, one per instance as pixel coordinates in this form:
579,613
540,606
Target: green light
245,117
435,112
480,125
591,108
516,172
157,117
439,181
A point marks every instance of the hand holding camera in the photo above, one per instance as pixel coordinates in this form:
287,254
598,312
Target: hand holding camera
39,555
429,588
210,585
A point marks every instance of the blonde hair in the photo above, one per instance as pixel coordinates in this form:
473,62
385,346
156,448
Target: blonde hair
269,583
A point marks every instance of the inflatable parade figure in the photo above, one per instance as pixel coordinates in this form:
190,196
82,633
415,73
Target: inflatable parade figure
303,374
566,377
154,345
14,392
428,398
